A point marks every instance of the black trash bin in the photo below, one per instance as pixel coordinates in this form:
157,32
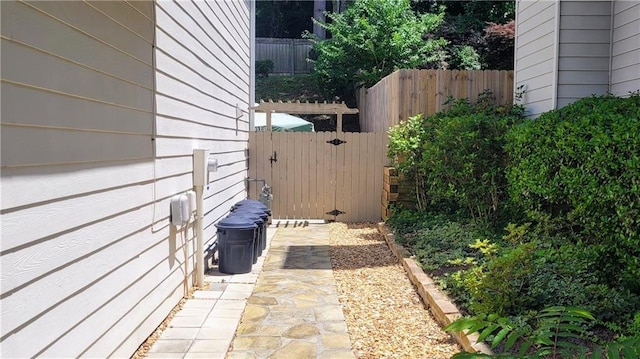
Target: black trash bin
235,245
255,218
249,203
265,219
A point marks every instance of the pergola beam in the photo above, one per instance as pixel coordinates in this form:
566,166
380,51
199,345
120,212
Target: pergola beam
305,108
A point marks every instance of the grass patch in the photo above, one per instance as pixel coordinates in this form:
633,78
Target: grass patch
288,88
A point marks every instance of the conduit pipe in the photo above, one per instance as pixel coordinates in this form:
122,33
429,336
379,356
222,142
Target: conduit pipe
200,179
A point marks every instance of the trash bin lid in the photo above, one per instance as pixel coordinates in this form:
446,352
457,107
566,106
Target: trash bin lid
250,201
254,217
255,211
252,205
236,222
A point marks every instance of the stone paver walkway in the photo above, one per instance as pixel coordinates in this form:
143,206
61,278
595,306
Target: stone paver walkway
207,323
288,305
294,310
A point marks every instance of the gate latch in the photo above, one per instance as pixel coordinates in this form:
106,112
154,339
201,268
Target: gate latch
336,212
336,142
273,158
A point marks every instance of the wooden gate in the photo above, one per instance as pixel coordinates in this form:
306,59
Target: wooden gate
320,175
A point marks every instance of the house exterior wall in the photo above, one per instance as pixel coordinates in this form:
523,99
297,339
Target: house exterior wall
90,265
584,45
598,51
203,62
535,53
625,48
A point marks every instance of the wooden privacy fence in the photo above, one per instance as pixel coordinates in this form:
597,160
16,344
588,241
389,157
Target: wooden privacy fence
289,56
406,93
318,175
315,176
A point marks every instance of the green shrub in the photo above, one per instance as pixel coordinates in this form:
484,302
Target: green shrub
457,156
577,169
264,67
526,273
464,57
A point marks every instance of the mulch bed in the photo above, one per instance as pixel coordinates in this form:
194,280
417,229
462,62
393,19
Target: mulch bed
384,314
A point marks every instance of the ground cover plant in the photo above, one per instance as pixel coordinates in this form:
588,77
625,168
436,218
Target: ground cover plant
518,216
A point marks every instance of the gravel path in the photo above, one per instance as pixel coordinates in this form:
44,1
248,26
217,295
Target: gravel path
384,314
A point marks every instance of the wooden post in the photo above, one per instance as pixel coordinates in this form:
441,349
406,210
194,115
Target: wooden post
292,50
339,123
269,121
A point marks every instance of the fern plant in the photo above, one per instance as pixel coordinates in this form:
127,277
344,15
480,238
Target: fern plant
554,334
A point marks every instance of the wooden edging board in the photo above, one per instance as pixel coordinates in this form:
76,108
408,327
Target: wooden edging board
440,305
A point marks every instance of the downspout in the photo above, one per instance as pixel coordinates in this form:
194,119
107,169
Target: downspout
199,237
200,179
611,28
556,60
515,55
252,62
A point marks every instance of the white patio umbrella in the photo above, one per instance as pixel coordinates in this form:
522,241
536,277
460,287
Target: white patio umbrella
282,122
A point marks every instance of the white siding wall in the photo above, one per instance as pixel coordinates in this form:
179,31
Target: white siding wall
89,263
625,61
535,48
79,262
202,57
583,67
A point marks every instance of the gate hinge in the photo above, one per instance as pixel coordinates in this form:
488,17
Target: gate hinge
336,212
336,141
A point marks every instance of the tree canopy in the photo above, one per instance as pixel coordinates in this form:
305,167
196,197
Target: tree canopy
371,39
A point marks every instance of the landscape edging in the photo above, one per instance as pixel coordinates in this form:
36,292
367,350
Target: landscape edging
439,304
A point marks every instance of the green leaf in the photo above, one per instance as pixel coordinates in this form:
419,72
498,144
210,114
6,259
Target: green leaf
613,353
500,336
524,348
596,352
478,326
487,331
460,324
511,339
631,352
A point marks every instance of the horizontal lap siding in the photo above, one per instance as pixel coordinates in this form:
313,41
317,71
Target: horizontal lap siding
202,59
83,271
535,46
625,62
583,64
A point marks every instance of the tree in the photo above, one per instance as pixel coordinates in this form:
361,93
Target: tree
477,31
283,19
498,47
319,8
371,39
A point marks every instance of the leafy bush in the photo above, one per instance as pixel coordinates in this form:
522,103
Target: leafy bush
264,67
549,333
457,155
464,57
577,169
371,39
404,220
524,272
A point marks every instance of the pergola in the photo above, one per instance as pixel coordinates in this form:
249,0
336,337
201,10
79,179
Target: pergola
305,108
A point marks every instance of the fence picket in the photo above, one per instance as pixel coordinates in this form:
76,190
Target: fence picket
289,56
406,93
